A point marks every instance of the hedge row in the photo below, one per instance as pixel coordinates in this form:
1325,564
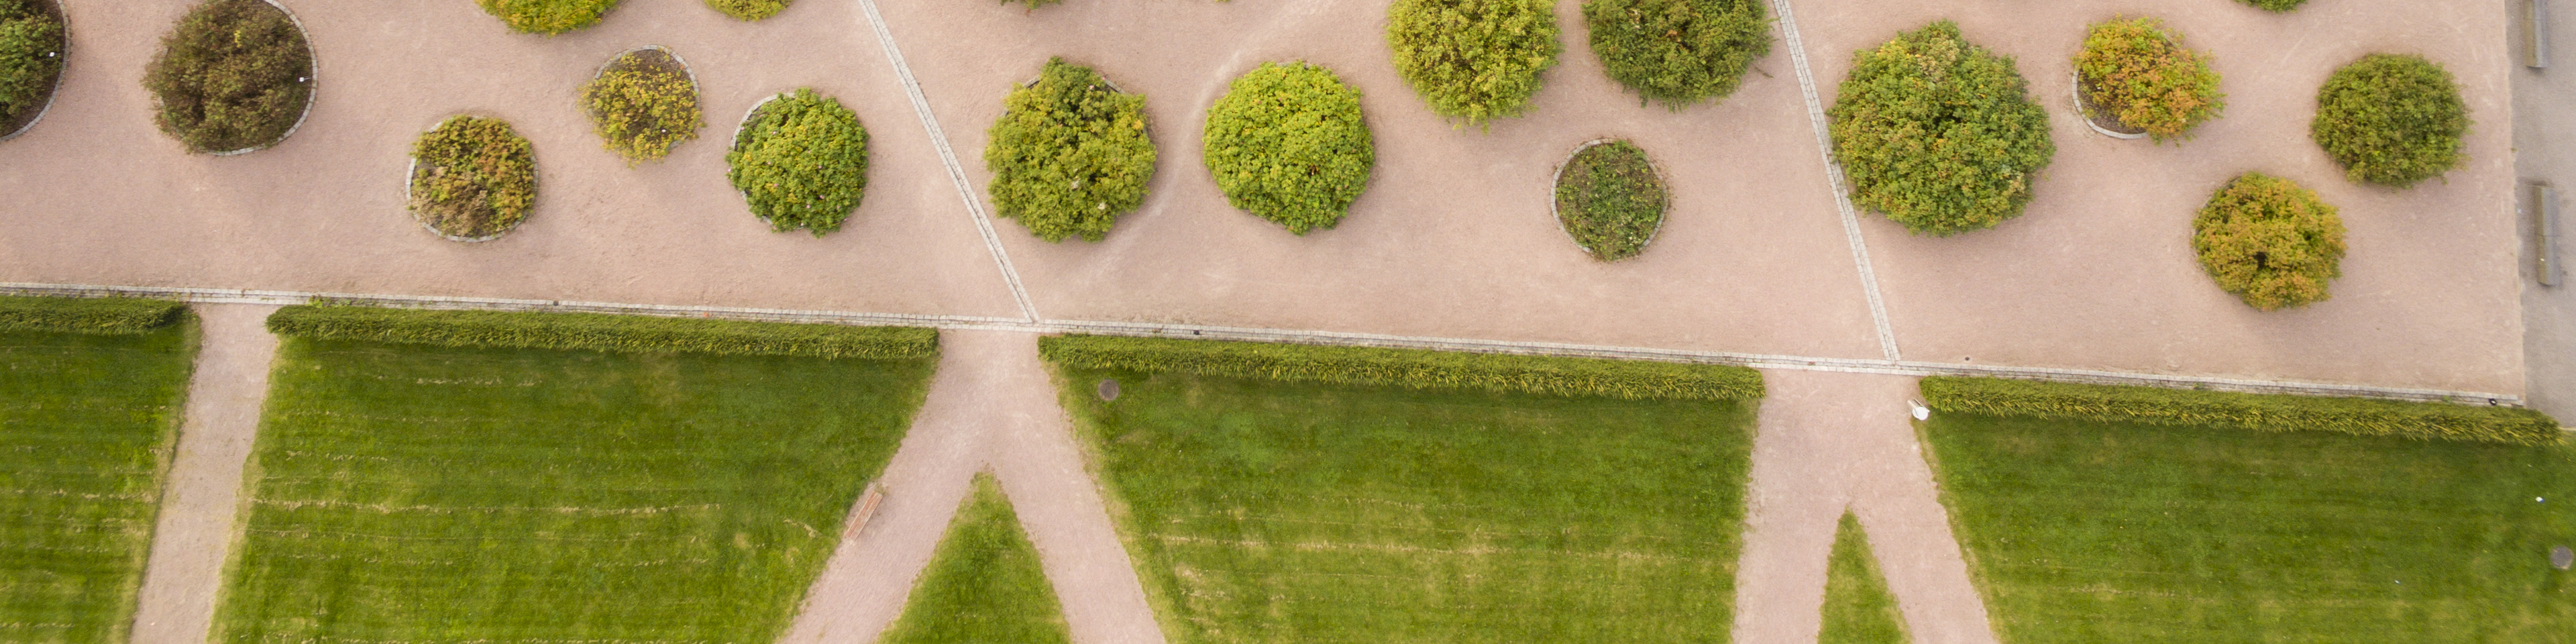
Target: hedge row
106,315
2265,412
1419,369
601,332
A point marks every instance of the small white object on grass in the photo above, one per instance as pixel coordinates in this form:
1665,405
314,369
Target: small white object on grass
1920,412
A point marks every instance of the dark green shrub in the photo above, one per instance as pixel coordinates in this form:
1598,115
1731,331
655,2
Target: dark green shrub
600,332
1936,133
1070,154
643,103
1473,60
2269,241
1678,51
472,178
1286,142
1610,199
100,315
2141,75
31,48
2263,412
547,17
232,75
2391,119
748,10
1418,369
2276,6
801,161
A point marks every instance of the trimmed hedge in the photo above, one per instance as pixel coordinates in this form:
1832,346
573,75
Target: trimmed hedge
2269,241
1609,198
547,17
1473,60
643,103
31,48
1678,51
1287,143
2391,120
801,161
1070,154
2263,412
748,10
1938,134
231,75
1414,368
472,177
601,332
2139,72
99,315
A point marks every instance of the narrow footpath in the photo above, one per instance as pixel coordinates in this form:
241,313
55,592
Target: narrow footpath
195,529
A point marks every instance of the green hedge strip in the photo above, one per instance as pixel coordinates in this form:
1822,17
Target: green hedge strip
601,332
1415,368
2264,412
104,315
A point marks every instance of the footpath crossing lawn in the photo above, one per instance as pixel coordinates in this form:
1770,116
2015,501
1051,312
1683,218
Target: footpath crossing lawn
86,423
985,585
2145,534
1265,511
421,494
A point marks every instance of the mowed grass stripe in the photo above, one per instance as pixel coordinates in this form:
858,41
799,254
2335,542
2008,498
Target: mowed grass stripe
2084,532
420,493
1269,511
86,423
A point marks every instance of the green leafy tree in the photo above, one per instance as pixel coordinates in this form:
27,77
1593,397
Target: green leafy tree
549,17
642,104
234,74
31,46
1070,154
748,10
1286,142
1938,134
1609,198
472,177
2392,120
1473,60
2141,74
1678,51
2269,241
801,162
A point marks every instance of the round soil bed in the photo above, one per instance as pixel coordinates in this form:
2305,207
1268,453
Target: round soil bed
44,77
643,102
472,179
257,42
2100,121
1610,199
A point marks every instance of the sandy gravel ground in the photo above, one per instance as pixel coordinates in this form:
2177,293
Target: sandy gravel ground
195,530
2544,137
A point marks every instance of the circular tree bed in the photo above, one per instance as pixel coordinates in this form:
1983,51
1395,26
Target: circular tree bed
233,76
1938,134
801,161
1286,142
1610,199
643,102
2269,241
549,17
1678,51
472,179
32,50
2134,77
2276,6
2392,120
1473,60
748,10
1070,154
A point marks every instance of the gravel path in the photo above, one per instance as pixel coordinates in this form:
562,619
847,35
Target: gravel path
194,532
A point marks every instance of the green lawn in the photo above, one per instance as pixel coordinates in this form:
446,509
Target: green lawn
984,586
2100,532
1858,609
86,423
421,494
1265,511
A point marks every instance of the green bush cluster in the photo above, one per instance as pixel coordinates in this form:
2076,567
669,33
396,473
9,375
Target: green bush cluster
31,47
643,103
2391,119
601,332
1034,4
547,17
1070,154
233,75
2269,241
2276,6
2264,412
801,161
748,10
1286,142
472,177
2140,73
1938,134
1473,60
98,315
1678,51
1414,368
1611,200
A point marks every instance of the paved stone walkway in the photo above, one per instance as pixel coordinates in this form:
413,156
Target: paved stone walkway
197,526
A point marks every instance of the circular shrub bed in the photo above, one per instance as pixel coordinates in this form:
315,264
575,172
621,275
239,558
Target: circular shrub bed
2277,6
2391,120
1286,142
801,161
1938,134
1609,198
748,9
548,17
2139,75
1678,51
1473,60
472,178
1070,154
232,76
31,61
2269,241
642,103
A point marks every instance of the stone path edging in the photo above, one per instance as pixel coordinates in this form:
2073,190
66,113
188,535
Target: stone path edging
1834,179
948,157
193,536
